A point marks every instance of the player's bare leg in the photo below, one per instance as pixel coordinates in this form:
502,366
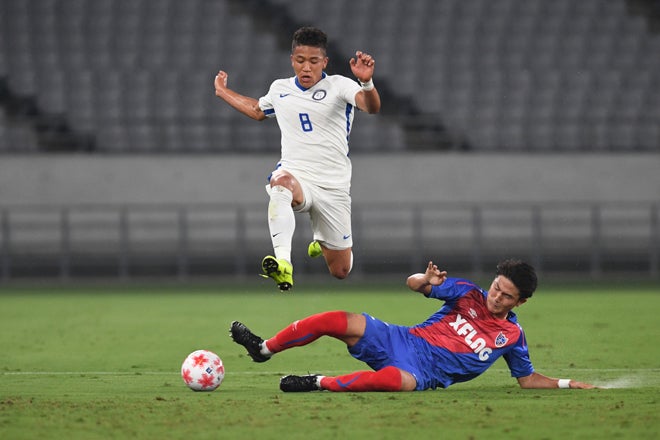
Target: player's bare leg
340,262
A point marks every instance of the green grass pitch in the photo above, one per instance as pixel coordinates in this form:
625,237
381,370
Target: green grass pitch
103,362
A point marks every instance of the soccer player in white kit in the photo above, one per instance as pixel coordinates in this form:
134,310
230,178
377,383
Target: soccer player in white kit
315,114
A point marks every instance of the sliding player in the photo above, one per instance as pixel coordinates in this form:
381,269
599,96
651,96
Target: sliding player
456,344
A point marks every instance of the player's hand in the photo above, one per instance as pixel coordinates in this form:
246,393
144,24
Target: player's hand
220,81
362,66
435,276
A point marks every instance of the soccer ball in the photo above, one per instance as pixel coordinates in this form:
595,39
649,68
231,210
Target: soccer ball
202,370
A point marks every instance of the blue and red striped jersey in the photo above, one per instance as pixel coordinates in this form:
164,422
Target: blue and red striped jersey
465,339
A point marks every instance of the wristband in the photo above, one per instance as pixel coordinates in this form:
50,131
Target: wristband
564,383
366,86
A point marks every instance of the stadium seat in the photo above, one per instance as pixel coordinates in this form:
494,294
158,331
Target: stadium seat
127,46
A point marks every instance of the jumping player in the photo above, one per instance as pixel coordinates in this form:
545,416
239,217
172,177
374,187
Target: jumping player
460,341
315,114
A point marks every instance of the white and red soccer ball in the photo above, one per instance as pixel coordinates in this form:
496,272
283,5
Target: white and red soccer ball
202,370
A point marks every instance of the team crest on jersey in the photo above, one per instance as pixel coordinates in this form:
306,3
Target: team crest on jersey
501,340
319,95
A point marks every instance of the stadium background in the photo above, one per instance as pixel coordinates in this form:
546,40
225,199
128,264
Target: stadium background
509,127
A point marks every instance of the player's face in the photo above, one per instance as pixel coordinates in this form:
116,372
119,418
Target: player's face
308,64
503,296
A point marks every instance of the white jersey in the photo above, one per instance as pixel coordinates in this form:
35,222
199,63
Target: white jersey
315,124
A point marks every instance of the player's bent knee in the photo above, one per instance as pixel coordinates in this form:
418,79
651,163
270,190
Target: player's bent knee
282,179
340,272
339,263
408,381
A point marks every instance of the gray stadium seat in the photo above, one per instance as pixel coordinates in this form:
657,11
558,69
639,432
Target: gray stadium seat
153,61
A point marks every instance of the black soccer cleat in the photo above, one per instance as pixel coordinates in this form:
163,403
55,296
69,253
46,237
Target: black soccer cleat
297,384
252,343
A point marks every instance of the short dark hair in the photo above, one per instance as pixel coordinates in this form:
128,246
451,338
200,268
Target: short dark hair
310,36
521,274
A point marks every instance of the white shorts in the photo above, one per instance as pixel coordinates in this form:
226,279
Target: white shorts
330,213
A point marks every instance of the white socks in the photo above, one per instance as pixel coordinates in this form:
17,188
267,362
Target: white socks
281,221
264,350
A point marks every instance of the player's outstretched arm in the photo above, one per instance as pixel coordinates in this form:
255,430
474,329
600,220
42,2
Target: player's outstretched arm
244,104
423,282
362,66
537,380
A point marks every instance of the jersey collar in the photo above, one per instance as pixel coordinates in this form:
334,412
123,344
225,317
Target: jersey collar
323,75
